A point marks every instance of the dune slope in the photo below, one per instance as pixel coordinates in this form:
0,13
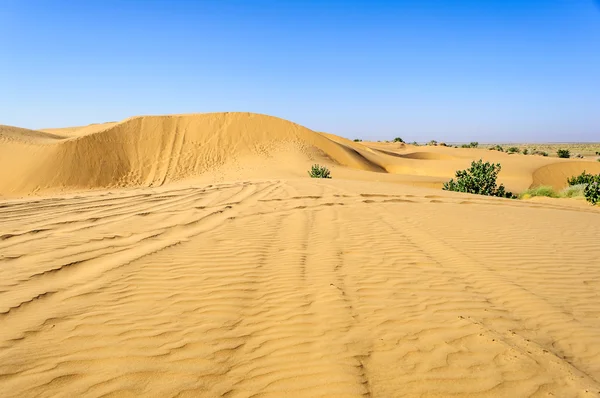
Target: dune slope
557,174
297,288
154,150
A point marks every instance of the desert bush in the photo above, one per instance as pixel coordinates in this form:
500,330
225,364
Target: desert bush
432,143
563,153
525,151
319,172
497,148
578,156
513,149
583,178
598,153
539,191
398,139
357,140
474,144
443,144
573,191
541,153
415,143
479,179
592,191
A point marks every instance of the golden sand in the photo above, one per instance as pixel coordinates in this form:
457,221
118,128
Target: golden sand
192,256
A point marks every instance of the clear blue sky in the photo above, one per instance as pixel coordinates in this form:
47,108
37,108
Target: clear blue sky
486,70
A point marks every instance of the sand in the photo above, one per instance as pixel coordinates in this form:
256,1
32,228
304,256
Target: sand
192,256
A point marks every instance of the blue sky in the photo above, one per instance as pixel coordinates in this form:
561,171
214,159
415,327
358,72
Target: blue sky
427,69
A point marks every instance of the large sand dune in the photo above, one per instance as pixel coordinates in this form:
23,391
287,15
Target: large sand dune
272,284
155,150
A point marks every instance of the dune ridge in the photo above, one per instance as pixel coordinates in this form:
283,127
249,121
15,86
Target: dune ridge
154,150
157,150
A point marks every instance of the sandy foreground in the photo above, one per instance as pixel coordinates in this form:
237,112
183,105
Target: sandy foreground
370,284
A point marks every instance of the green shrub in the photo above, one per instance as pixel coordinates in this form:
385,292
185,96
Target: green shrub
573,191
583,178
357,140
443,144
513,149
415,143
598,153
525,151
563,153
592,191
541,153
591,186
480,179
398,139
319,172
540,191
432,143
497,148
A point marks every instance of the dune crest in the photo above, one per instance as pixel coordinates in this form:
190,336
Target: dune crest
149,151
154,150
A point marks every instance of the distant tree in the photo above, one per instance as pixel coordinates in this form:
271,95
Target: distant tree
398,139
357,140
432,143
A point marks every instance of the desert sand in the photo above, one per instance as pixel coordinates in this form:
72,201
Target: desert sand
191,255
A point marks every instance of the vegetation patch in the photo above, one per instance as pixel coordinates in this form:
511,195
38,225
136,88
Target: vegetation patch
318,171
573,191
539,191
592,191
583,178
590,184
563,153
479,179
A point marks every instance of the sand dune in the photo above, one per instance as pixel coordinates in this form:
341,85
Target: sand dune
191,256
556,174
156,150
